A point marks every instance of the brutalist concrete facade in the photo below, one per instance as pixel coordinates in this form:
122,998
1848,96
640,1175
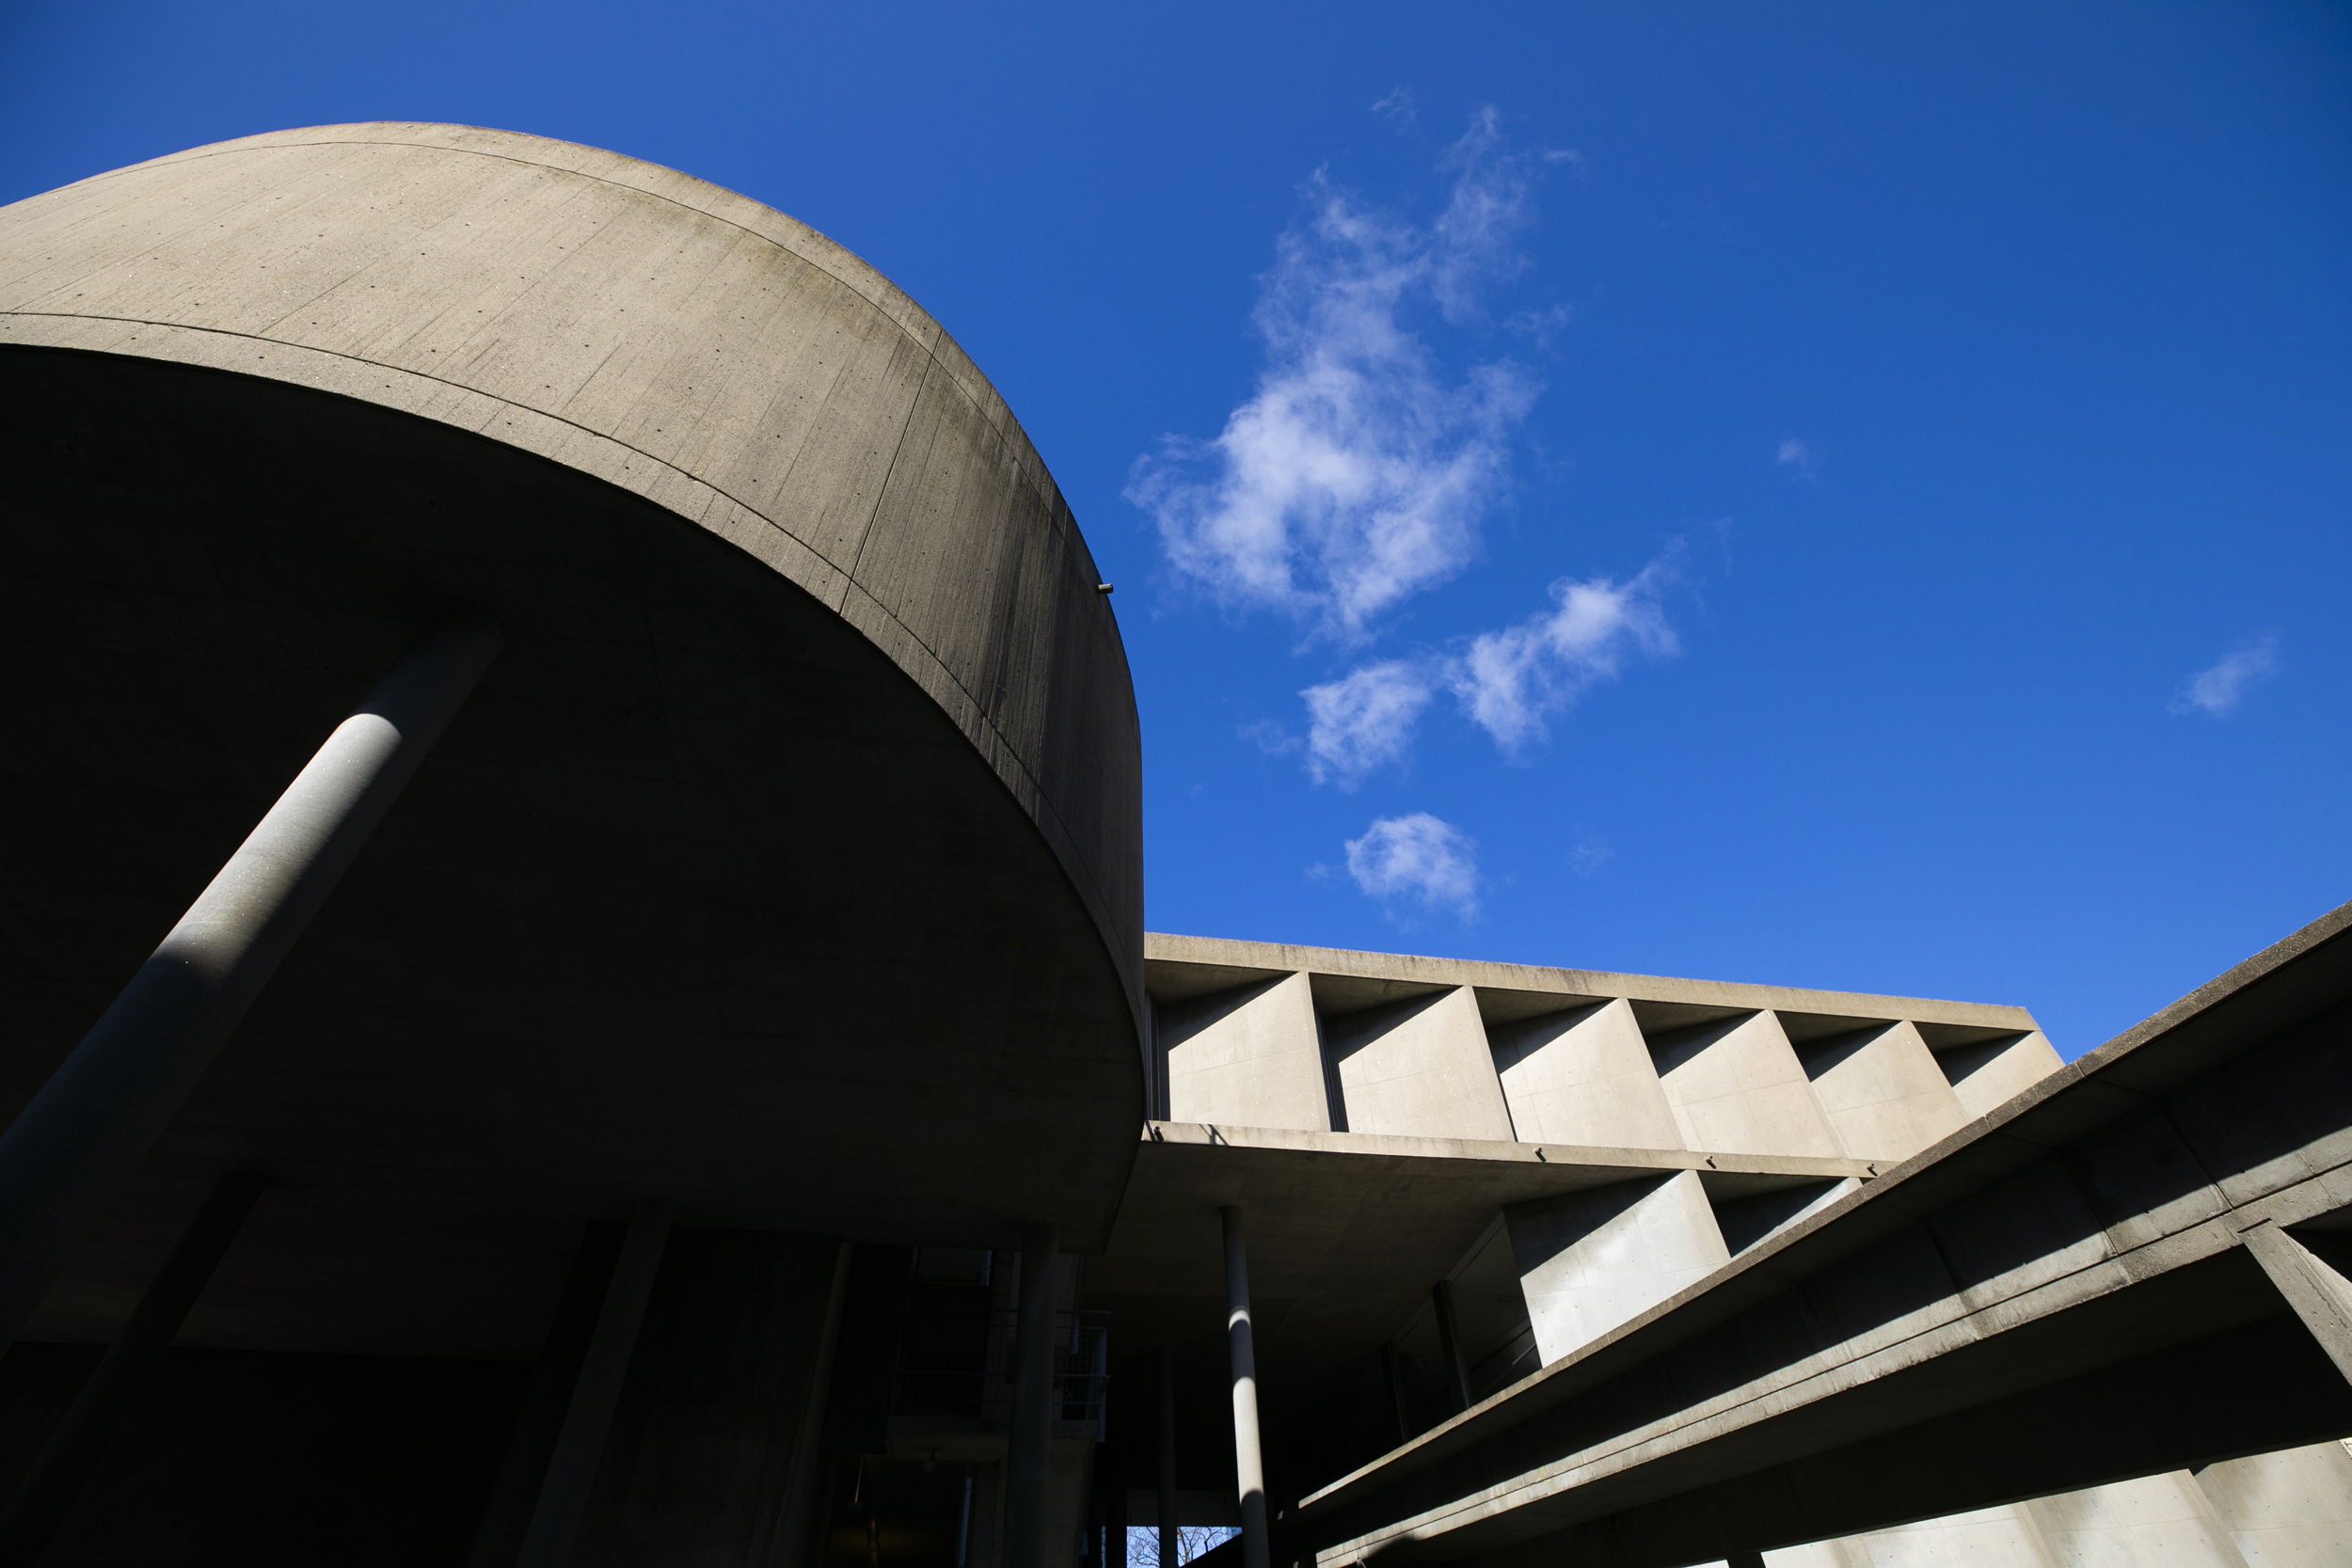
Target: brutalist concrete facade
677,1076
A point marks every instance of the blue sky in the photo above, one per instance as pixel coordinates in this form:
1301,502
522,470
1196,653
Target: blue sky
1854,496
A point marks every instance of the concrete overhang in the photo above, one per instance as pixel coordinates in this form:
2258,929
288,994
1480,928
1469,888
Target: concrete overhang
786,866
1348,1230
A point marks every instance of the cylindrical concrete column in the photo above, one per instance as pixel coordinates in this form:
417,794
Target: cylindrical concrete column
1450,1340
62,1159
1257,1546
130,1366
1171,1544
1026,1449
572,1468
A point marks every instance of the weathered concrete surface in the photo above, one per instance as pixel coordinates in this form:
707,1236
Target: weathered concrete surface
788,866
1881,1090
1245,1056
1736,1084
1584,1076
1417,1069
2054,1298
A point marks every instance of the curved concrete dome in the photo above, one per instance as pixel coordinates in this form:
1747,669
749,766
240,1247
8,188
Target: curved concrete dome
787,863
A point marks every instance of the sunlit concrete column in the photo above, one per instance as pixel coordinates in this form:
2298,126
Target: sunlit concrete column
1257,1549
63,1158
572,1468
1450,1340
1170,1544
130,1366
1026,1446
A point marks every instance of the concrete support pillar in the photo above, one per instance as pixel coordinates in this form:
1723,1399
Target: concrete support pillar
572,1468
1026,1449
65,1155
129,1368
1450,1340
796,1527
1171,1544
1257,1548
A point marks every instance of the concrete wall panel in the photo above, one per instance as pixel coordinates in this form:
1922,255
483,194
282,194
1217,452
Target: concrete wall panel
1882,1092
2155,1522
1421,1068
2003,1537
2286,1510
1247,1058
1737,1087
1591,1260
1583,1077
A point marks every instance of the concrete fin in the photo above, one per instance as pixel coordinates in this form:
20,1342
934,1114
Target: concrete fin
1591,1260
1748,1221
1245,1057
1420,1068
1736,1086
2321,1296
1881,1088
1988,1067
1584,1076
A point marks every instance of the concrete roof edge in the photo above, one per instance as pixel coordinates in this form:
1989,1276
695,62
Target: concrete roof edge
754,215
1166,947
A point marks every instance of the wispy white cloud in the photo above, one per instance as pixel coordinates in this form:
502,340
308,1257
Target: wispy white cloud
1797,456
2217,691
1358,472
1589,855
1511,683
1364,719
1417,857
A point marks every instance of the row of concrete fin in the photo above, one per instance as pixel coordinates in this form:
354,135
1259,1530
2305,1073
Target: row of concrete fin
1594,1072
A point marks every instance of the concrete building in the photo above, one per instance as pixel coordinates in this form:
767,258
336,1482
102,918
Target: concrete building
678,1077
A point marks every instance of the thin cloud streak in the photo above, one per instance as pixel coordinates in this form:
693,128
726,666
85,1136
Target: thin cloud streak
1510,683
2217,691
1359,473
1417,857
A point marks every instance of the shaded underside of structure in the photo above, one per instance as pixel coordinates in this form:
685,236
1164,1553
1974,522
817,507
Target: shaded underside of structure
785,866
